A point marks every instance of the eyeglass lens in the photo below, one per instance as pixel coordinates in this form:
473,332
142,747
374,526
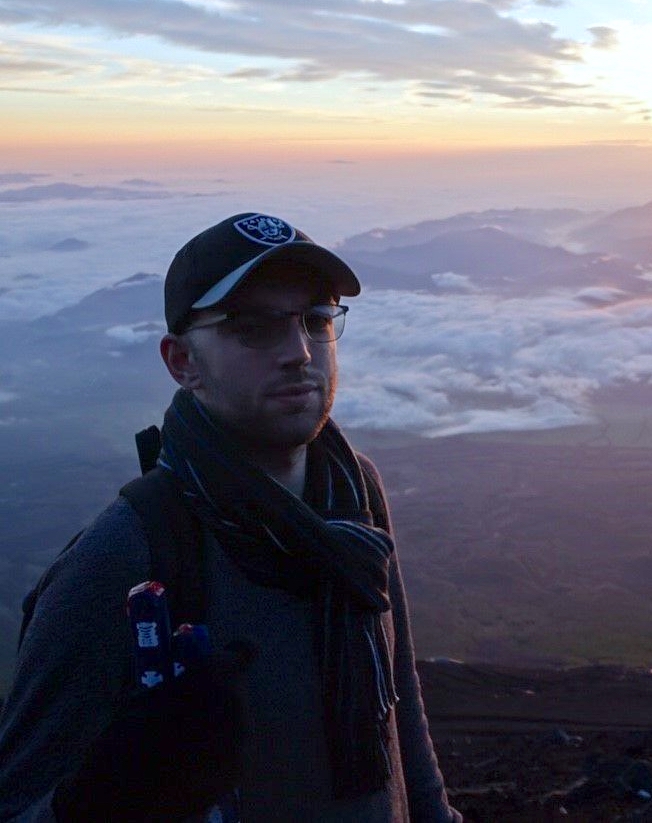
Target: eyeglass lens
322,324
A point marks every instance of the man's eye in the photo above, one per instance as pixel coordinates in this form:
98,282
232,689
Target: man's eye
248,323
316,321
259,331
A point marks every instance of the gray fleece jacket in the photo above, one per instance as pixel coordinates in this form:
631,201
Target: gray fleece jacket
75,663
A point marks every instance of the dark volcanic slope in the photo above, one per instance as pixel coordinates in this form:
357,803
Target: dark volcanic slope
464,698
542,745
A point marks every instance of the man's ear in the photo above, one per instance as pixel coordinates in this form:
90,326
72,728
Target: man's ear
180,361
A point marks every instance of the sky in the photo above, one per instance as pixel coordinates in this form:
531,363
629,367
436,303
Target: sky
174,86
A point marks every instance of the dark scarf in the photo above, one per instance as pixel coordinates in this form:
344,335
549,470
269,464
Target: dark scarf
325,549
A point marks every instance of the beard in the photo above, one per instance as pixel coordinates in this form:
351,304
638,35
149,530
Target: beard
276,422
296,423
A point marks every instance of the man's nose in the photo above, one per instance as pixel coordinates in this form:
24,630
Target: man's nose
295,345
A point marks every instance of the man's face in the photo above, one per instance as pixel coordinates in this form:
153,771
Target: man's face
274,398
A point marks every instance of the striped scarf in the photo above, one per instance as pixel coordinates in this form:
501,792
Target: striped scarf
324,548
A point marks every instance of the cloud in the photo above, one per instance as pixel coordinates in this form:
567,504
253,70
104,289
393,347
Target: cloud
14,62
604,37
250,74
451,282
45,63
138,333
542,92
38,58
600,295
447,48
462,363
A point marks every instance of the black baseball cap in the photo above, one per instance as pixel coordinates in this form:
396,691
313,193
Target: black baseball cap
214,263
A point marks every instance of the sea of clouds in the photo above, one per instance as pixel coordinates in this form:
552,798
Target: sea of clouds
462,361
472,363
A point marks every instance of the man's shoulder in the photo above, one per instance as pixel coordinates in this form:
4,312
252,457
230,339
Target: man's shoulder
370,471
140,535
89,579
145,500
114,537
117,521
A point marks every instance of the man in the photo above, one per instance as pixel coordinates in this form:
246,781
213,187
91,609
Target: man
299,571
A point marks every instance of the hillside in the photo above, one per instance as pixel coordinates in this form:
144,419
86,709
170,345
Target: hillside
627,232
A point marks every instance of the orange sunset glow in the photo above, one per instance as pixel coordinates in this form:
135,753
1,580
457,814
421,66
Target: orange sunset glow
201,85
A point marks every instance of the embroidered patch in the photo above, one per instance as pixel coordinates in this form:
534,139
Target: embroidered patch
270,231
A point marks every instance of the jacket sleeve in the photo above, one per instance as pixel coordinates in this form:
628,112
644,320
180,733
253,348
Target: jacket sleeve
423,779
73,669
427,799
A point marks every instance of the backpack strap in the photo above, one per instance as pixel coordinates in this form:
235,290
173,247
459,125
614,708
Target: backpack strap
148,443
175,541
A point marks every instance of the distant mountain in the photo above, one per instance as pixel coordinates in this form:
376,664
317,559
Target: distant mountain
627,232
132,300
71,191
141,182
76,385
70,244
537,225
88,370
491,258
11,178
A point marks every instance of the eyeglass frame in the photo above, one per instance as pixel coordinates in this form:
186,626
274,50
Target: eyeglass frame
334,310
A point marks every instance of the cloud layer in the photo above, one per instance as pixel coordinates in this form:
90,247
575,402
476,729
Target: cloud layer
469,363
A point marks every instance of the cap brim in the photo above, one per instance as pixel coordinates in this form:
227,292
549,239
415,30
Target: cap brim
334,270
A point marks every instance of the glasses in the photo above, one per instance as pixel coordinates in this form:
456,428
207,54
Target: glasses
266,328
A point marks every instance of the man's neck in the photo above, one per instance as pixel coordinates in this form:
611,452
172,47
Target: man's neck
289,469
286,466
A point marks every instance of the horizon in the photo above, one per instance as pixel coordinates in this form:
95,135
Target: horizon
541,90
338,117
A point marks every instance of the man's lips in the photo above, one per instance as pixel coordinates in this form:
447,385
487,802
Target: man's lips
293,390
